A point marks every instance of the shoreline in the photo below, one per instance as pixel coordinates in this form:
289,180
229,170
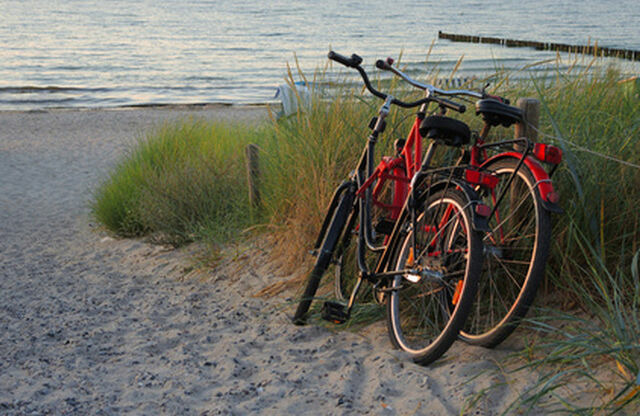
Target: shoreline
168,106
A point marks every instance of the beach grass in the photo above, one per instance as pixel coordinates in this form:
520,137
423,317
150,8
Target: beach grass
180,183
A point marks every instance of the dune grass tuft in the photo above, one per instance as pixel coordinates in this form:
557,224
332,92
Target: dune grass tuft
180,183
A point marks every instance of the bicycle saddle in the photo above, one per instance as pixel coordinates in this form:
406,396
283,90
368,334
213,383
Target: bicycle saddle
449,130
495,112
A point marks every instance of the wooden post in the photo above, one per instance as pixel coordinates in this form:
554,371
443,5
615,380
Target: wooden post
253,174
531,109
531,114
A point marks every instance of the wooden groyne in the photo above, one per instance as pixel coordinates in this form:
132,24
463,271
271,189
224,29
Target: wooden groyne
594,50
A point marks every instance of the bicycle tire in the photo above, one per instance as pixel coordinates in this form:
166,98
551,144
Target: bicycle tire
425,317
513,267
325,254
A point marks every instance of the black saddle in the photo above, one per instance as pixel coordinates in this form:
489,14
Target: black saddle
496,113
450,131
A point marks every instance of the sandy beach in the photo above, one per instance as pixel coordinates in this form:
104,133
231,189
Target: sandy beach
95,325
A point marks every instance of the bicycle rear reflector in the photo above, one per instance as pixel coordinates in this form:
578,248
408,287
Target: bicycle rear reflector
547,153
410,259
456,294
553,197
479,178
483,210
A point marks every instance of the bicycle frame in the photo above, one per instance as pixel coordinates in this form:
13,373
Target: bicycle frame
407,171
478,151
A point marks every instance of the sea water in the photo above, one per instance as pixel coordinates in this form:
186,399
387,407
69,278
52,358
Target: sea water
107,53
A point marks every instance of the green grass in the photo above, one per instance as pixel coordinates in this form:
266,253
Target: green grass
180,183
586,362
600,195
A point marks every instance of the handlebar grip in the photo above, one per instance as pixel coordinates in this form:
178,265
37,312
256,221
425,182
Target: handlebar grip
352,62
460,108
380,64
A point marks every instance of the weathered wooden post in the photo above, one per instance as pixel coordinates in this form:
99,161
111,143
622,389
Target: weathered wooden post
531,112
253,175
531,109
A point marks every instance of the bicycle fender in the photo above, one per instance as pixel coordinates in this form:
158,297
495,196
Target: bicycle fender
548,196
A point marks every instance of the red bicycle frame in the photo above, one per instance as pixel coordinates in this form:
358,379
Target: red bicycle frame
400,169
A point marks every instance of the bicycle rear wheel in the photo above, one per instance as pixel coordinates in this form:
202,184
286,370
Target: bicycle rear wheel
426,313
516,251
325,254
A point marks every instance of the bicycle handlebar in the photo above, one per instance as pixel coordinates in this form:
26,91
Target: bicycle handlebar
354,62
386,66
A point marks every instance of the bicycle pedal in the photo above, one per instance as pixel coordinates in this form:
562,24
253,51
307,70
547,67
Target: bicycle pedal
335,312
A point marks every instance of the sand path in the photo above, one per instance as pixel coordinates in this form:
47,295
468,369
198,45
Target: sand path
93,325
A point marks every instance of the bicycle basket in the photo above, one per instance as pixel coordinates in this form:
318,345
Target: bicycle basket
450,131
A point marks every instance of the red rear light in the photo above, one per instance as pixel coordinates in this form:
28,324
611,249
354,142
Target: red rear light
483,210
547,153
479,178
553,197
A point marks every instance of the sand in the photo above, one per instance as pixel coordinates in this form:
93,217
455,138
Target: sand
95,325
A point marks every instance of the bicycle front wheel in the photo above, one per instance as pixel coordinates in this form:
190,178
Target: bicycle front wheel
429,304
516,251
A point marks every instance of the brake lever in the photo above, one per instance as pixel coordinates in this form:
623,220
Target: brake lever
484,89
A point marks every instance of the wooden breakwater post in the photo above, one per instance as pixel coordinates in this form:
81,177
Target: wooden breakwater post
595,50
252,153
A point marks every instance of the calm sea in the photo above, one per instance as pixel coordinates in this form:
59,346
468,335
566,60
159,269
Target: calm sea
105,53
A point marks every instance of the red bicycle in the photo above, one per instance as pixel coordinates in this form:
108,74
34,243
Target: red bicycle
517,247
511,182
424,256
